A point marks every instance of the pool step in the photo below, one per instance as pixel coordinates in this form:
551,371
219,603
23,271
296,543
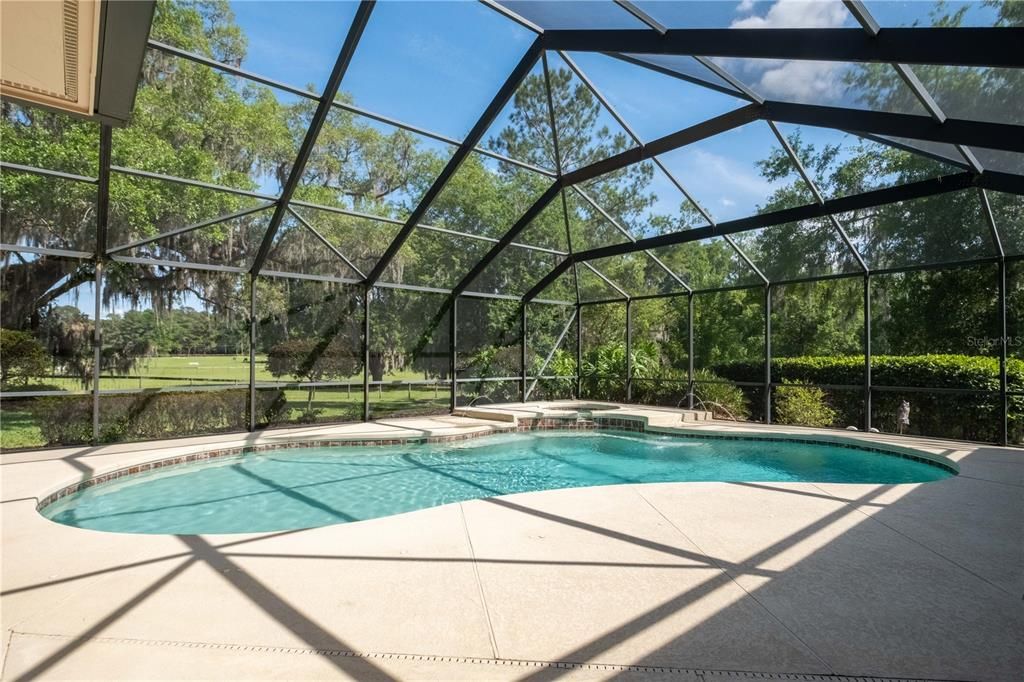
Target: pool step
690,416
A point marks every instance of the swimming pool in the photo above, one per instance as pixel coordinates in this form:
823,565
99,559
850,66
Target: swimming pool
309,487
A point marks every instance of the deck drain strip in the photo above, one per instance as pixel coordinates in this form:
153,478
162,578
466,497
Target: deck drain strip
500,662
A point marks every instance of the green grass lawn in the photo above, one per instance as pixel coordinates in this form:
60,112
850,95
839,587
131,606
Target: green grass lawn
189,370
195,370
18,428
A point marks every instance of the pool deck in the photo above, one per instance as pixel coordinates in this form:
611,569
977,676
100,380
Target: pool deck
681,581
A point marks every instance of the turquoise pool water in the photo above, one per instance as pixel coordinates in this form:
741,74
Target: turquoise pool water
309,487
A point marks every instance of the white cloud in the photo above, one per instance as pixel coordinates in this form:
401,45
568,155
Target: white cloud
729,176
795,14
727,202
818,82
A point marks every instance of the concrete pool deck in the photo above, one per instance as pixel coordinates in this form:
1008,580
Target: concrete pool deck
688,581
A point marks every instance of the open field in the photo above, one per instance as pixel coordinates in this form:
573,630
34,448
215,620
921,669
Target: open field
195,370
19,427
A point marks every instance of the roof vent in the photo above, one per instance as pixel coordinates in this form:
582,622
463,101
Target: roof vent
79,56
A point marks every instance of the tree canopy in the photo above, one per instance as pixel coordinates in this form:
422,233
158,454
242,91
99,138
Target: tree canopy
197,123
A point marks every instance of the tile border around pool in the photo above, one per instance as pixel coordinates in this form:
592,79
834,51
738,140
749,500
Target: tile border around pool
634,424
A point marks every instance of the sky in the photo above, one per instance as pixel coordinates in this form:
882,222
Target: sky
437,64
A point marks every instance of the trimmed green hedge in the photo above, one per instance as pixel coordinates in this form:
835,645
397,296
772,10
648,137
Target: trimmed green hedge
152,415
966,416
140,416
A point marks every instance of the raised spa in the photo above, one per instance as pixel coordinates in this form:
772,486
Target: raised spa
308,487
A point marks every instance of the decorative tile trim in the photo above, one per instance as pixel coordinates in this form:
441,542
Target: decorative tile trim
632,424
667,671
636,424
250,449
848,444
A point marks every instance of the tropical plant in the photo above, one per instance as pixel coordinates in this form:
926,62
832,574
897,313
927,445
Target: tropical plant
802,406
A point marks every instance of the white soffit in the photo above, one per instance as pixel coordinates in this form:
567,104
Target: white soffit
48,52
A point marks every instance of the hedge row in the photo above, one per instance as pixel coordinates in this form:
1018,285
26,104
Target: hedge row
970,416
154,415
924,371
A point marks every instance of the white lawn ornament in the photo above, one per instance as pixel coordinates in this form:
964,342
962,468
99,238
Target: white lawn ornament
903,416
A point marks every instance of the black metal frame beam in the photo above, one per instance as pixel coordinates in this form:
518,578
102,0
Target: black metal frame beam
642,16
323,240
767,354
539,205
551,353
492,111
46,172
880,197
662,145
323,108
650,66
866,345
102,226
952,131
791,153
629,350
934,45
163,177
272,199
700,131
344,106
558,168
636,139
189,228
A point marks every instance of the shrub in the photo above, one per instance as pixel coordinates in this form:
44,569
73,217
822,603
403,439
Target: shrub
726,401
968,416
604,370
152,415
22,358
563,365
802,406
62,420
140,416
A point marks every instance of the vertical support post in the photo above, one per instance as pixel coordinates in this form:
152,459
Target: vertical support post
366,353
103,191
689,352
867,352
629,350
579,350
97,352
522,356
1004,430
453,324
767,353
102,219
252,351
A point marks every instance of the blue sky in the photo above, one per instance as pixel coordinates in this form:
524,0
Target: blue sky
437,64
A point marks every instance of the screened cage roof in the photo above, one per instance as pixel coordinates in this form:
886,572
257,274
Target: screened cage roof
559,151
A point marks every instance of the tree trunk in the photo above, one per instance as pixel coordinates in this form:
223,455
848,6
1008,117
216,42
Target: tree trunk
34,282
377,366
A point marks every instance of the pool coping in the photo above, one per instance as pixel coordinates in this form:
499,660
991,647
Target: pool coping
940,555
636,423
